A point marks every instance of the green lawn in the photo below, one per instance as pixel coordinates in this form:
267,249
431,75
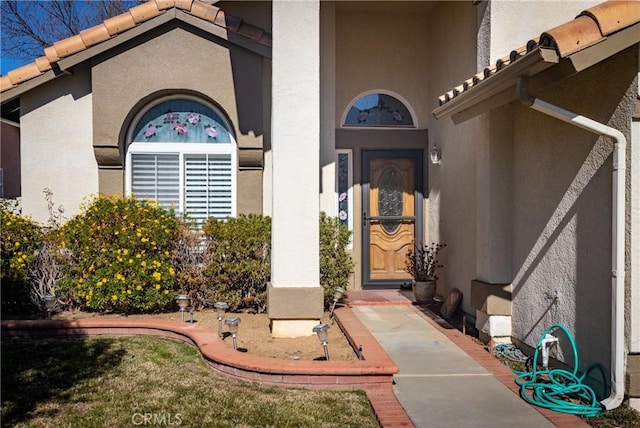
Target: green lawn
143,381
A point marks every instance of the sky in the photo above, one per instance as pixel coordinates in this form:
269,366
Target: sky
7,64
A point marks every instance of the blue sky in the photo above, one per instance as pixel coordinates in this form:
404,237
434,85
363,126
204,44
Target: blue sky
7,64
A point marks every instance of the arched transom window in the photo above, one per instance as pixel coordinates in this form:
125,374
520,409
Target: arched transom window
182,154
378,110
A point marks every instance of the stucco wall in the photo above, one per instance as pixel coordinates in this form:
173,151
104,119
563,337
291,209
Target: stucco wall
514,22
170,60
453,184
562,208
378,50
56,150
381,47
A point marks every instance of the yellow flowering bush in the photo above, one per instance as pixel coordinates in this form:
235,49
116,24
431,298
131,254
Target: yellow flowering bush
117,255
19,243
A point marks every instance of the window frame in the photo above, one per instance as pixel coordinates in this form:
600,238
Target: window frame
181,149
350,213
350,104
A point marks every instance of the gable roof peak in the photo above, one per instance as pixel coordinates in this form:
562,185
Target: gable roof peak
111,27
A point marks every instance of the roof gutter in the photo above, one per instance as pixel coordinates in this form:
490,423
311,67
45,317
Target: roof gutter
618,354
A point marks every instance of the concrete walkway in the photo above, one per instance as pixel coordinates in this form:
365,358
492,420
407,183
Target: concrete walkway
440,384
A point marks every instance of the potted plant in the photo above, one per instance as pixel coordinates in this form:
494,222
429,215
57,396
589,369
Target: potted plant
421,264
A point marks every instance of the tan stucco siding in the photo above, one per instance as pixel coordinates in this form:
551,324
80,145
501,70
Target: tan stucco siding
56,150
385,50
454,192
382,51
562,217
177,61
539,16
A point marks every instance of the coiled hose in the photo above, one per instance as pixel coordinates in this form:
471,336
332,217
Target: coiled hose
558,389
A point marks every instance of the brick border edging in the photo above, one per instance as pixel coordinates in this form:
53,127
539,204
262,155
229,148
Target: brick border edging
373,374
501,372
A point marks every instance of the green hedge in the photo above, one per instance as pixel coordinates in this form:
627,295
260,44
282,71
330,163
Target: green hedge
240,259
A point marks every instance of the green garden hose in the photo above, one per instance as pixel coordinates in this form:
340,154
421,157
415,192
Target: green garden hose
558,389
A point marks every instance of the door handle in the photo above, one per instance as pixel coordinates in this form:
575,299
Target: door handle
364,219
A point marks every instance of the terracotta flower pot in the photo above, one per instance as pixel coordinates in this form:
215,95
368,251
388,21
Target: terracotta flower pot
424,290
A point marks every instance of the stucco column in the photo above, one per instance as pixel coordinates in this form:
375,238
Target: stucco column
491,291
295,296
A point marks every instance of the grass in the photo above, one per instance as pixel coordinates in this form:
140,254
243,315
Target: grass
132,381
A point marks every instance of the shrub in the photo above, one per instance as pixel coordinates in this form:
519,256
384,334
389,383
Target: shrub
117,255
239,263
190,255
335,262
19,243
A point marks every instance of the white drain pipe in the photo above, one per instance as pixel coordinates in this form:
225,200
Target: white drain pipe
618,354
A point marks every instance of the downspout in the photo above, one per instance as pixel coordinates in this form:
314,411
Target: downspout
618,355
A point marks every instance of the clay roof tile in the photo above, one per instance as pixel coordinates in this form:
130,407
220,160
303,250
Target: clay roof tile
69,46
94,35
51,54
590,27
5,83
572,36
205,11
119,23
184,4
125,21
23,73
43,64
612,16
165,4
145,11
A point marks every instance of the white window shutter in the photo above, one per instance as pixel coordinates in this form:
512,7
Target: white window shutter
208,186
156,177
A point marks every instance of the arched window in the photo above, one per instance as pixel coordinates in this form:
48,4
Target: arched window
378,110
182,154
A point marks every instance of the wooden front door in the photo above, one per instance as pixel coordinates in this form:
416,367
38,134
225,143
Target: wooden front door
391,210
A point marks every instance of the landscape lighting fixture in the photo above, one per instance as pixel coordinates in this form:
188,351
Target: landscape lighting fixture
183,302
221,307
337,295
233,329
323,337
49,301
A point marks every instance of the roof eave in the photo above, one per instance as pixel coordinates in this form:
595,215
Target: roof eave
499,89
16,91
479,98
613,44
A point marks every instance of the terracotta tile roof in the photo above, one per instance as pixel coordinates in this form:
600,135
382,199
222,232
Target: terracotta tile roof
590,27
111,27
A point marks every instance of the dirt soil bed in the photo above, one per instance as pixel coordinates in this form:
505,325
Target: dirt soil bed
254,335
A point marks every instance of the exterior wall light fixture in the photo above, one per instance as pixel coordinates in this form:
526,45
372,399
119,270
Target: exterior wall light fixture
435,155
